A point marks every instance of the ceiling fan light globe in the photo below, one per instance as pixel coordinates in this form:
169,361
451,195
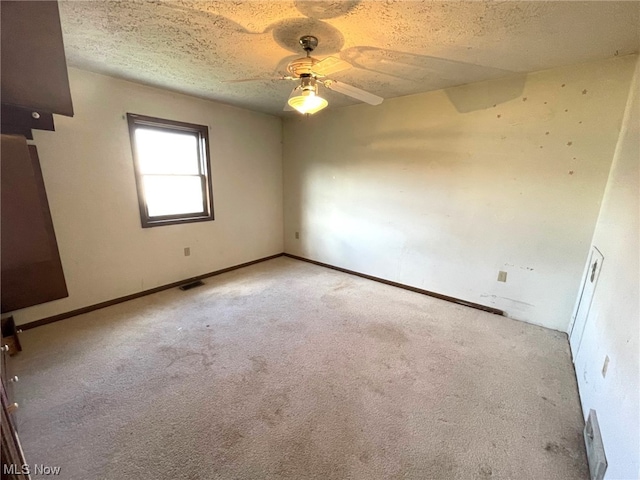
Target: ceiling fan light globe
307,102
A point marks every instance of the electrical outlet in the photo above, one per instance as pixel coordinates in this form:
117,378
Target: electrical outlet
297,235
502,276
187,251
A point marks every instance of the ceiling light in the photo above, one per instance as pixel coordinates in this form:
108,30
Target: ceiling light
307,101
305,98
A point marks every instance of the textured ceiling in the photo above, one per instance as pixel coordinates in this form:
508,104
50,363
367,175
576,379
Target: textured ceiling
396,47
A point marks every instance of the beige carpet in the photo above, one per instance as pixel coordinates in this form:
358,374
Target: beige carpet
287,370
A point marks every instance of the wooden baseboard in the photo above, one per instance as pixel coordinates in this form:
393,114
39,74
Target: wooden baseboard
401,285
108,303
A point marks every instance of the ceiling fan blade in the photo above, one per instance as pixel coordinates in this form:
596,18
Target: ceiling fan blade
329,65
352,91
258,79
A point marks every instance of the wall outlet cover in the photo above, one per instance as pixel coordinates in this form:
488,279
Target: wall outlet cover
502,276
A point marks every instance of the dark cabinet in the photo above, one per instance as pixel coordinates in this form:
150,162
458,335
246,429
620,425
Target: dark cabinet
31,267
34,68
35,85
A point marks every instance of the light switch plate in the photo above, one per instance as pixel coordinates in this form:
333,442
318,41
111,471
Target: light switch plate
502,276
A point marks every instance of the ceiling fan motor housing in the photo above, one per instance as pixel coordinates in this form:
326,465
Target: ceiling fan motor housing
301,66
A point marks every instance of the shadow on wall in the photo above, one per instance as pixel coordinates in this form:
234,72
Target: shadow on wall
480,96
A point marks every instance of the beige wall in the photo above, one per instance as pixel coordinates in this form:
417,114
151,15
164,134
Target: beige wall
612,328
88,173
442,190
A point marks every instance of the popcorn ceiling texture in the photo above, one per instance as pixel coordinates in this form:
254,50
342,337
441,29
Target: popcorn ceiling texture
396,47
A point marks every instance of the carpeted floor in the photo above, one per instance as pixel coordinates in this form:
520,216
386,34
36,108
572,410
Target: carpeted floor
287,370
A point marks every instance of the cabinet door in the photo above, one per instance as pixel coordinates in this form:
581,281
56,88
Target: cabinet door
34,66
31,268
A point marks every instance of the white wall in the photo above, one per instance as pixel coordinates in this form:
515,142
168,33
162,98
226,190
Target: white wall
442,190
88,174
613,325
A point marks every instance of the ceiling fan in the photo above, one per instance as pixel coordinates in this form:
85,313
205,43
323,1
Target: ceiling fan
313,72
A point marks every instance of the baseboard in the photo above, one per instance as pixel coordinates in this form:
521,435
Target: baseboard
401,285
108,303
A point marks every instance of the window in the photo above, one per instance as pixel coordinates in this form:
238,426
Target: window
172,170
